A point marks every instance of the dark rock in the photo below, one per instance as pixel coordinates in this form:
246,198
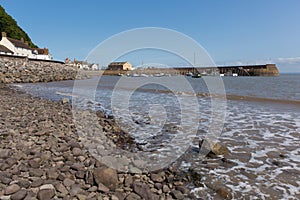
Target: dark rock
133,196
107,177
68,182
36,172
158,186
89,178
80,174
144,191
21,194
24,183
177,194
34,164
75,189
5,153
37,183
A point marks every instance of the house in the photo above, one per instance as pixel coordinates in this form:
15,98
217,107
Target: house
120,66
15,47
82,64
93,66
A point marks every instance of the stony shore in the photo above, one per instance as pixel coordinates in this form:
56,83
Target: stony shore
41,158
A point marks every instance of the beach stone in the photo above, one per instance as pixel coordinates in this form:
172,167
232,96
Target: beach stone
68,182
5,153
65,101
37,183
75,189
62,189
128,181
77,151
24,184
11,189
103,188
107,177
165,189
144,191
224,192
46,192
133,196
21,194
36,172
160,177
176,194
220,149
33,164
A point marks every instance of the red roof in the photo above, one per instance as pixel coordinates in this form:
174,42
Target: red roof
19,43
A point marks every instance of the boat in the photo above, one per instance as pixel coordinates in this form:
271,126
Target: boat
196,75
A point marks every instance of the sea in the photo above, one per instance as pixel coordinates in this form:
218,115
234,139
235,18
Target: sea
261,125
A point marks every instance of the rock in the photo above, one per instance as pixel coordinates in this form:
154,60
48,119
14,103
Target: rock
133,196
107,177
158,186
182,189
103,188
34,164
177,194
37,183
165,189
160,177
113,197
11,189
220,149
36,172
46,192
21,194
144,191
75,190
89,178
52,174
62,189
68,182
77,151
65,101
224,192
24,184
128,181
5,153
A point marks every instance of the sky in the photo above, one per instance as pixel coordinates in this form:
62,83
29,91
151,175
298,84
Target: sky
231,31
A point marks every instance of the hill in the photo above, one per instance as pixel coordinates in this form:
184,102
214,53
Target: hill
10,26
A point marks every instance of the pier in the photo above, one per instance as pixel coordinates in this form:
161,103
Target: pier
241,70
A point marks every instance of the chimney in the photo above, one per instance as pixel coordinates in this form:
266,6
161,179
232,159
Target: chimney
3,34
46,51
26,43
22,40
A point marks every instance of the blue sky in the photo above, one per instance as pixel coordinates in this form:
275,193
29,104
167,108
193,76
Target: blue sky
232,31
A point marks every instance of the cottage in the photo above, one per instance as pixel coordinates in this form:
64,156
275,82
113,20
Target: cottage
120,66
15,47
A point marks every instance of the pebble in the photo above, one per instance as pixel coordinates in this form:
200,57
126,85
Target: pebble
11,189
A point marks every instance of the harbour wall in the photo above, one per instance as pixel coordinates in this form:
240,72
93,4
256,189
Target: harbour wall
246,70
17,69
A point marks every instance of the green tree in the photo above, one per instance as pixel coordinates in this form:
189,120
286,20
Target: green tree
10,26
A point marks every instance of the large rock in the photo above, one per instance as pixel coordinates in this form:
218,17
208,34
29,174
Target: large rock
107,177
46,192
144,191
21,194
12,189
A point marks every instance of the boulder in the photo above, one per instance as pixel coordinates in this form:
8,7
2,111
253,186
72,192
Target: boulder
107,177
144,191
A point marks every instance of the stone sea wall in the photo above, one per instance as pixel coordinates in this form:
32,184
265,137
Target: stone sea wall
23,70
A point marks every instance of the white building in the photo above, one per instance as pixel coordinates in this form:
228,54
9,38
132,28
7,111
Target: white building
120,66
21,48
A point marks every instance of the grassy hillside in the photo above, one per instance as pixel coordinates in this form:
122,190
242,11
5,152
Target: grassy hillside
10,26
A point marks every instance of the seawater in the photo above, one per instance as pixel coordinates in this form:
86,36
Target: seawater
261,128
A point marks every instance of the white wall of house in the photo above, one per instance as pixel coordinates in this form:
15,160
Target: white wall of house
127,66
23,52
5,42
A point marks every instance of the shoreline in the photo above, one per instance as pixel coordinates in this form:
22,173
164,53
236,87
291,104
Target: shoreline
41,157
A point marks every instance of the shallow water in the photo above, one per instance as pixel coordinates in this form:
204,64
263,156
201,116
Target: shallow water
261,127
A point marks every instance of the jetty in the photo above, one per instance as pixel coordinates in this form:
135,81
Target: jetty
241,70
